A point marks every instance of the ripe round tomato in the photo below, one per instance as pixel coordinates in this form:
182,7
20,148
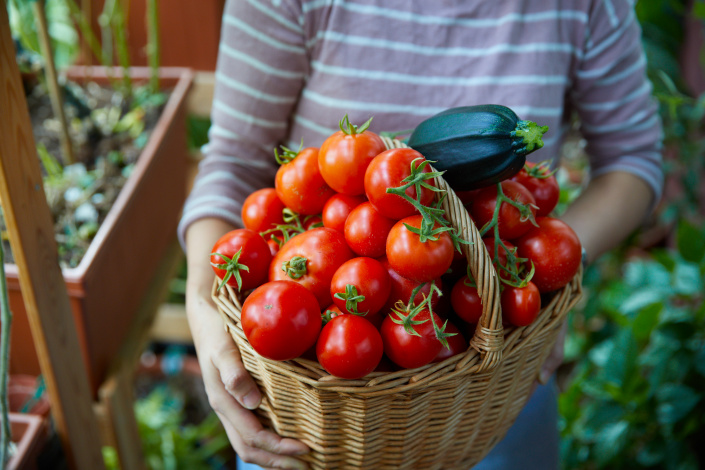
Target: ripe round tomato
520,305
456,343
414,259
349,347
466,301
501,256
344,157
407,350
367,278
402,288
273,248
555,251
511,224
333,311
299,183
313,256
281,320
541,184
387,170
338,208
262,211
366,231
241,257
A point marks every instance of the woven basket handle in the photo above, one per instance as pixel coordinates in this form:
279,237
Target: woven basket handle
488,339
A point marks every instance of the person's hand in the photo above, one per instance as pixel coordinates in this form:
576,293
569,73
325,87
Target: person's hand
555,357
233,393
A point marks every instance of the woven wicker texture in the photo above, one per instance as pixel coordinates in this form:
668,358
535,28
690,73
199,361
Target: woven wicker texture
447,415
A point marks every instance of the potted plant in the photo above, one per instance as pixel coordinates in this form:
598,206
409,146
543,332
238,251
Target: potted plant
108,283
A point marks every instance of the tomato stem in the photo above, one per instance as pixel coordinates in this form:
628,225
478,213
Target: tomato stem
287,155
232,267
514,265
541,170
351,298
295,268
350,129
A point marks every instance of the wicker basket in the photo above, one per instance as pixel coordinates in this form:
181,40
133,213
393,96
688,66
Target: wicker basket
446,415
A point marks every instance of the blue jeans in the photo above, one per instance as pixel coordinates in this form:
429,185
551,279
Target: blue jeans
532,442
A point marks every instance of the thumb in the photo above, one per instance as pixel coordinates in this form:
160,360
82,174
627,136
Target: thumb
236,380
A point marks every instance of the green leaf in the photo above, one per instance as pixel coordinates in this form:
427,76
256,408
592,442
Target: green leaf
690,241
623,360
700,360
675,402
646,320
652,453
642,298
687,279
611,441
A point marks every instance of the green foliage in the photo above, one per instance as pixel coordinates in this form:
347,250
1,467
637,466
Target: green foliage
638,399
167,442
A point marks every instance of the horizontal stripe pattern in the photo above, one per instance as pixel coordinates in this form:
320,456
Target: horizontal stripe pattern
290,69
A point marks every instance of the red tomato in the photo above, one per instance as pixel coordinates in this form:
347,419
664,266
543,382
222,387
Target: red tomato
520,305
402,288
511,224
313,256
333,311
312,221
414,259
337,210
262,211
366,231
344,157
349,347
241,257
299,183
407,350
466,301
541,184
361,277
387,170
273,247
555,251
456,344
281,320
501,256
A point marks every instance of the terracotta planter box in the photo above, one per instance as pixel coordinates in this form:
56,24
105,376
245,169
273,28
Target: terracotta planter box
106,288
29,432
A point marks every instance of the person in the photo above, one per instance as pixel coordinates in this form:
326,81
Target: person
291,69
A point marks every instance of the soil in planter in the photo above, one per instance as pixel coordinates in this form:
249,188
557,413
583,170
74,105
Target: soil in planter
108,131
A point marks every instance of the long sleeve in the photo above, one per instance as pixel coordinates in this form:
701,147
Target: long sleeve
261,69
613,99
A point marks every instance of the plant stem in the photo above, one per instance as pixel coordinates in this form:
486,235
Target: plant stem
6,322
117,22
153,48
52,82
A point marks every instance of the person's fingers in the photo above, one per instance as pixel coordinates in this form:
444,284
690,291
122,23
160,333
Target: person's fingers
260,457
235,378
249,430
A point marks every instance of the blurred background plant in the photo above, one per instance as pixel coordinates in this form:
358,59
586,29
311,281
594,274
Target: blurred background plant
633,386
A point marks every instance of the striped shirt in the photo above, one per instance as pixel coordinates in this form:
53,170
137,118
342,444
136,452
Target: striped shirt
291,69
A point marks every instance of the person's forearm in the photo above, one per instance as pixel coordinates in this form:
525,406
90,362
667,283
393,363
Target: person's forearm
200,239
611,207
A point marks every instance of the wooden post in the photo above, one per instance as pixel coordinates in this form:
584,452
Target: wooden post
31,233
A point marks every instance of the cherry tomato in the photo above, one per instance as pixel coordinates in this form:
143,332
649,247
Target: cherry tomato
541,184
310,259
511,224
281,320
349,347
241,257
344,157
501,261
520,305
402,288
466,301
387,170
362,278
366,231
273,247
338,208
333,311
555,251
407,350
262,211
312,221
456,344
414,259
299,183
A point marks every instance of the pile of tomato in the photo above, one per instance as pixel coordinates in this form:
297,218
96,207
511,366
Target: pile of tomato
349,260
